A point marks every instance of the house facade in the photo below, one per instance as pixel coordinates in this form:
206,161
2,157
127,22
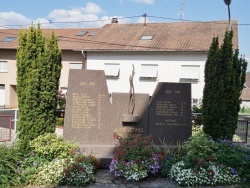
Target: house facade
159,52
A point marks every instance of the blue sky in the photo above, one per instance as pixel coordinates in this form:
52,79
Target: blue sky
96,13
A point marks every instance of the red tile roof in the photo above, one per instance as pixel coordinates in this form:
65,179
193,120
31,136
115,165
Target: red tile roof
68,39
173,36
245,95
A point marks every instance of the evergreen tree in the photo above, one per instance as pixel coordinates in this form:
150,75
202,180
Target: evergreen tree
224,80
38,73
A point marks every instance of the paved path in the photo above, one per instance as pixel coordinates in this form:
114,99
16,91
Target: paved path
105,179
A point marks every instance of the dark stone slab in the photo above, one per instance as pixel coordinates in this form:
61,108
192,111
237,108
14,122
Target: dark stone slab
120,104
91,120
88,112
170,113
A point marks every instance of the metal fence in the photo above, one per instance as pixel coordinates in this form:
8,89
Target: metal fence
5,128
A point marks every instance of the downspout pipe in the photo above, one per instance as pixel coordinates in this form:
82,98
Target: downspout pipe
84,59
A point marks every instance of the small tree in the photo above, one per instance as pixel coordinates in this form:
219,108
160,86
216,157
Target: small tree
38,73
224,80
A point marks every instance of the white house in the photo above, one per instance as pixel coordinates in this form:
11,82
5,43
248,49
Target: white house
159,52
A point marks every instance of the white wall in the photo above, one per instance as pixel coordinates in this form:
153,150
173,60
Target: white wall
169,69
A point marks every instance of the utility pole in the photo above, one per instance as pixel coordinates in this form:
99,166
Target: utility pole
228,2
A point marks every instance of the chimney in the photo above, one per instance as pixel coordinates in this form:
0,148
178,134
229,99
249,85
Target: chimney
114,20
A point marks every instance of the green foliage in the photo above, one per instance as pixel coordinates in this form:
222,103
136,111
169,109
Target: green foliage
235,156
199,146
80,172
9,176
51,155
51,146
59,121
211,175
38,73
134,158
51,174
168,156
210,163
29,165
224,80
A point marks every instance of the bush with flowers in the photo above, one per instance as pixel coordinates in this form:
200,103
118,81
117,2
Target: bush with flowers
134,158
80,172
202,164
210,175
51,155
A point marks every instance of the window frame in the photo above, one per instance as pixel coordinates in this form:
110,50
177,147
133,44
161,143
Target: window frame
2,66
146,73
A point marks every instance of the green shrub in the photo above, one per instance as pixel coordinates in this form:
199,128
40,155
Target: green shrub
59,121
199,146
134,158
76,171
235,156
80,172
51,173
212,175
29,165
51,146
9,176
169,155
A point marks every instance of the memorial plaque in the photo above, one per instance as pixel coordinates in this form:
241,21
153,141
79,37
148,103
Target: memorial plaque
91,120
170,113
120,105
88,112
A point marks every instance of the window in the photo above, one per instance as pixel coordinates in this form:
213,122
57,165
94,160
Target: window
190,73
149,71
75,66
3,66
81,33
8,39
194,102
91,33
112,70
147,37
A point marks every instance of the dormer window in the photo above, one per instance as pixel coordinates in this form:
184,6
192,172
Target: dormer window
8,39
147,37
81,33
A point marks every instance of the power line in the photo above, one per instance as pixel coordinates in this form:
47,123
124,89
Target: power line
70,22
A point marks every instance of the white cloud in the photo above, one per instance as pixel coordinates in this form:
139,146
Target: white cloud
144,1
84,16
12,18
91,8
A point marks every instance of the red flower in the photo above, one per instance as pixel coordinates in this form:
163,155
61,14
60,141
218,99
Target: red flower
210,158
138,160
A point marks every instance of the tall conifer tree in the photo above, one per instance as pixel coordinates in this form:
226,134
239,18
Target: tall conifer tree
38,73
224,80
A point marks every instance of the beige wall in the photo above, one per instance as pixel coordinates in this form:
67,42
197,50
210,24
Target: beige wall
9,78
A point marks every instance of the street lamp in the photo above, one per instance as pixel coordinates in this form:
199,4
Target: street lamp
228,2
